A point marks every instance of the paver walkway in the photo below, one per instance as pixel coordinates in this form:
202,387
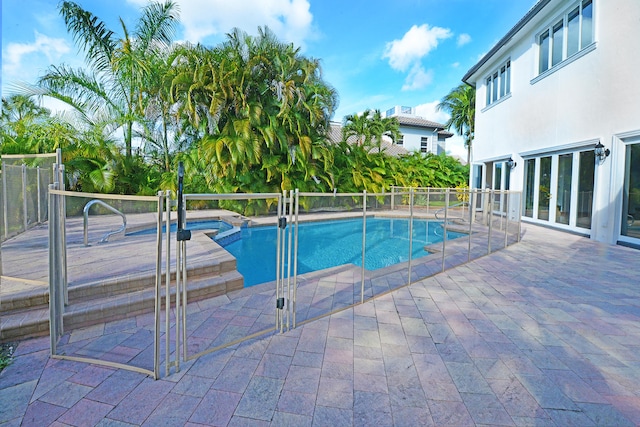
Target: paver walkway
545,332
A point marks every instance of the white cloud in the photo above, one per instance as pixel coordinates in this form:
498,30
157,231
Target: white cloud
430,111
15,53
414,45
418,78
463,39
455,147
290,20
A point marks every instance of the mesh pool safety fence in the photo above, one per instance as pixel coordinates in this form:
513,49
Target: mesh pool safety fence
143,299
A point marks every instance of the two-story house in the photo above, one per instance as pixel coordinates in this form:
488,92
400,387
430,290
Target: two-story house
558,117
419,134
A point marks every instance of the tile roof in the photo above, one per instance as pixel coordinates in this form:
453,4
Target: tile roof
390,148
415,121
418,122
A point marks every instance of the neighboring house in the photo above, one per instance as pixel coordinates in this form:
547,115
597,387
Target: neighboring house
335,136
559,84
418,133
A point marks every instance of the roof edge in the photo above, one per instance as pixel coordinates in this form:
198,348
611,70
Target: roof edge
504,40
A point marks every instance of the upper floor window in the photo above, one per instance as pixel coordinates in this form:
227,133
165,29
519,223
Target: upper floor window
499,83
400,140
566,36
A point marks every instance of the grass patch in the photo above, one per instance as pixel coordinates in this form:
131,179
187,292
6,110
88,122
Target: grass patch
6,354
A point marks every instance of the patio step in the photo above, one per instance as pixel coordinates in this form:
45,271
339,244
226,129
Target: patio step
27,315
135,282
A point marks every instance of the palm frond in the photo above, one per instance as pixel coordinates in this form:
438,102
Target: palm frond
90,34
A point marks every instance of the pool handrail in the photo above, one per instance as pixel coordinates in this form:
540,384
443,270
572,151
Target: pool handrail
462,218
105,238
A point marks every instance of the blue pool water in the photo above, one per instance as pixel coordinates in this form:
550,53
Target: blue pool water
332,243
191,225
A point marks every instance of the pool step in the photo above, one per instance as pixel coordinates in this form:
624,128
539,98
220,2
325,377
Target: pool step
27,315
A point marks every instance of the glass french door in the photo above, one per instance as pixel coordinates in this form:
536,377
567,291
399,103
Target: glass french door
585,189
501,181
563,189
630,221
544,188
529,187
559,188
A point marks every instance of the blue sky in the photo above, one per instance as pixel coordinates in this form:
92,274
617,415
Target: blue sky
377,54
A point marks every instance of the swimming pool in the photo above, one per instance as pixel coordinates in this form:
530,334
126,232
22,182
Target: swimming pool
326,244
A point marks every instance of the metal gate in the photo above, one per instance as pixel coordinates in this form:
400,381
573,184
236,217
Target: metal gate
198,330
105,294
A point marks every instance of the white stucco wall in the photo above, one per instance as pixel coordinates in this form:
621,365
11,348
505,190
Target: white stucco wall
412,136
594,97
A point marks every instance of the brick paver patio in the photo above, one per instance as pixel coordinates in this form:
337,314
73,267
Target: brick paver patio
545,332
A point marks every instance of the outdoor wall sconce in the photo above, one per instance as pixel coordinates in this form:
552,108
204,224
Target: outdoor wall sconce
511,163
601,152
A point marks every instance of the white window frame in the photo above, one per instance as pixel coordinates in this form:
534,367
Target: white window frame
424,144
621,142
575,150
496,81
548,33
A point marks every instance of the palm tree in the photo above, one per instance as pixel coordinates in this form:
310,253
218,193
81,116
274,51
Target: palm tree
109,94
369,127
358,126
161,132
380,126
259,107
17,108
460,103
27,128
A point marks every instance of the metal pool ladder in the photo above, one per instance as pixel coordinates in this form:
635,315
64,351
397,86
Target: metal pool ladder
105,238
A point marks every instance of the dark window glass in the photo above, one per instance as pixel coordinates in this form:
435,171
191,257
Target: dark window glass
558,36
587,23
563,202
529,186
544,190
544,52
573,32
586,172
